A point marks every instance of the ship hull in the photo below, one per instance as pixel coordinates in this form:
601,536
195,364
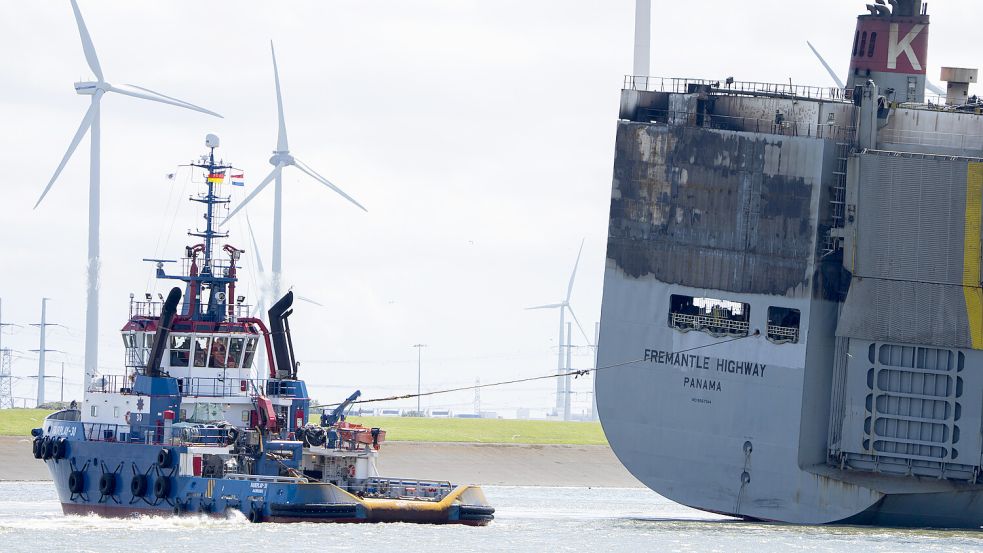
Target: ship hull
744,367
97,478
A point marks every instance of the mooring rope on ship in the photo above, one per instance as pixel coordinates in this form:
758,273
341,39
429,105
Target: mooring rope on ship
575,373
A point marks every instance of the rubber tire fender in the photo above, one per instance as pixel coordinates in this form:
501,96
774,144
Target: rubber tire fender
76,481
38,447
256,515
165,458
48,448
138,485
162,487
61,447
107,483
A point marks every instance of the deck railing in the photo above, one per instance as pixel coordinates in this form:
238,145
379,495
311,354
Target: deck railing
715,326
783,334
689,85
202,387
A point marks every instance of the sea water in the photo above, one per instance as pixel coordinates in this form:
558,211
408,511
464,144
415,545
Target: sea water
527,519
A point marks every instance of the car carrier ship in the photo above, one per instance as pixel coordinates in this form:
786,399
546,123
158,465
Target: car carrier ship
189,426
792,307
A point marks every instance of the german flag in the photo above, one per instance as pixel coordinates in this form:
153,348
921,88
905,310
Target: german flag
216,178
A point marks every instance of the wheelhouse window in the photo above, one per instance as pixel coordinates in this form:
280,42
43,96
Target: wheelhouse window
201,351
180,350
783,325
235,352
220,348
714,316
247,360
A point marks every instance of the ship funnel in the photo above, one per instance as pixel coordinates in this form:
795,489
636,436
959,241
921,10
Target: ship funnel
890,47
163,331
281,349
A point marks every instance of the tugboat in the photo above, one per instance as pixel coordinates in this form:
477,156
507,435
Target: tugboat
189,427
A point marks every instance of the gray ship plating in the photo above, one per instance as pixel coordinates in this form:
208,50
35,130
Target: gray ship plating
793,280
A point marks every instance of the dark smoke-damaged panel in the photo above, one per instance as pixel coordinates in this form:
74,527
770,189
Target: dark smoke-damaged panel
714,209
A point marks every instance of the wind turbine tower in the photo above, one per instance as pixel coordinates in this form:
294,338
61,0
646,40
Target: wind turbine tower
643,42
564,306
282,158
90,124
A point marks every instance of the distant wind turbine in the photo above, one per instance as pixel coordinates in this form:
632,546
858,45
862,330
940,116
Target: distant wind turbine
564,306
832,74
90,124
282,158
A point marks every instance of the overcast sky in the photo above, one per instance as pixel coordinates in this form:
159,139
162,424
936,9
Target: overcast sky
479,135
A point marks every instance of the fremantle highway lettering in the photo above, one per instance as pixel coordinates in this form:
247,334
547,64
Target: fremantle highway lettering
688,361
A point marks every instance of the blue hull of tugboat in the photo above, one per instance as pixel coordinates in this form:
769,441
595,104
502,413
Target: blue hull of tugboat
164,491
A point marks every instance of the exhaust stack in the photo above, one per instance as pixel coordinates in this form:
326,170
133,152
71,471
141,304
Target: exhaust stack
279,334
163,331
890,48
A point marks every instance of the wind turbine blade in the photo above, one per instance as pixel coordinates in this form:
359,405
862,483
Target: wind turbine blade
829,69
309,300
162,99
281,137
935,88
303,167
252,195
584,334
550,306
83,128
259,258
574,274
87,47
179,101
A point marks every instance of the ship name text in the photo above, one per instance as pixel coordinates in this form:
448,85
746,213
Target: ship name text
689,361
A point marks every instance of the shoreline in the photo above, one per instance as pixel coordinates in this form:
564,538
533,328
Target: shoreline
549,465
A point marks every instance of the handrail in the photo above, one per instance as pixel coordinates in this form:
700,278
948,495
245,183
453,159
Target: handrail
686,85
709,324
201,386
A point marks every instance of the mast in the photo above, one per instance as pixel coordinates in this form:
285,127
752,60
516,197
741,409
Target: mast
212,275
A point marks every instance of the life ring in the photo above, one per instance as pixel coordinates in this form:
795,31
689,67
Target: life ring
164,458
76,481
107,483
351,471
138,485
126,417
162,487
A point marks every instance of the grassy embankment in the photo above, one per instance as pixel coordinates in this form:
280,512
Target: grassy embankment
19,422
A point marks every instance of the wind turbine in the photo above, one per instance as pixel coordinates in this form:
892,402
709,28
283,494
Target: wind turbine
90,124
564,306
282,158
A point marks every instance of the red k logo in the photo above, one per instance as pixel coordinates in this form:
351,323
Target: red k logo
895,48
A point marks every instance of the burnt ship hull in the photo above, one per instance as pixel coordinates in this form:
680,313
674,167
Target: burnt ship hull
792,319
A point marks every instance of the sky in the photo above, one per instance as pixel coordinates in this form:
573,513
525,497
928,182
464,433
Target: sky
479,135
